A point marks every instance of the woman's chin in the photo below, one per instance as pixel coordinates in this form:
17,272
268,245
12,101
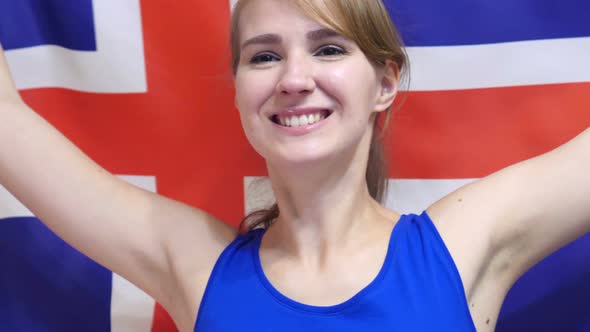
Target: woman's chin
300,158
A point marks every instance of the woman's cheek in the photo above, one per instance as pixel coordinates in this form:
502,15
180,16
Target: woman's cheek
249,129
253,91
336,83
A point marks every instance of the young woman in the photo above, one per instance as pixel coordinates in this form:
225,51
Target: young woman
311,78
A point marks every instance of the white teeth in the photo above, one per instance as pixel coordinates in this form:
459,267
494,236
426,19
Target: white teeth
302,120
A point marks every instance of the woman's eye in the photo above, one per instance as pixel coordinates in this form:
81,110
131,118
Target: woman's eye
330,51
264,57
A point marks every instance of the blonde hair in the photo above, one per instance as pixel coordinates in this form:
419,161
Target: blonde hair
367,23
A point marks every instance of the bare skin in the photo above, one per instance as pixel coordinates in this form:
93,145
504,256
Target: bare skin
495,228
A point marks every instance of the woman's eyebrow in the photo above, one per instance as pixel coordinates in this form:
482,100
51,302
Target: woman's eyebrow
271,38
268,38
322,33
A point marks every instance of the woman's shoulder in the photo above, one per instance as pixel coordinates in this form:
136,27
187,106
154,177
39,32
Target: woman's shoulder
232,249
469,251
195,242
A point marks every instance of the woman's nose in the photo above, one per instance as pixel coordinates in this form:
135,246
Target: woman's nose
297,77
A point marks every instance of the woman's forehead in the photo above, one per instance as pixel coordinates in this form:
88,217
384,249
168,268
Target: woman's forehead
273,16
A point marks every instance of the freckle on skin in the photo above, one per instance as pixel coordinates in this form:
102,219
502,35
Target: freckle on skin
460,199
488,321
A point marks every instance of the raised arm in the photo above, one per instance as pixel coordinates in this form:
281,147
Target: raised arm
510,220
148,239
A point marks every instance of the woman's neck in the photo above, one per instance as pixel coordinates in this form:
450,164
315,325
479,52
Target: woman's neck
323,209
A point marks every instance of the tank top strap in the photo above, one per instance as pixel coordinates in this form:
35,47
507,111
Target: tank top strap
427,271
234,260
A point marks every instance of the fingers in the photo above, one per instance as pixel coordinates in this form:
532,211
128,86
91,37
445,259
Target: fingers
7,86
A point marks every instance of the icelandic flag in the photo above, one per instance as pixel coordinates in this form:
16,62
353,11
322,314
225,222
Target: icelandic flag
145,88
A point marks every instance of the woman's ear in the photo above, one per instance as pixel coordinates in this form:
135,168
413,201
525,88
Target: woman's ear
388,87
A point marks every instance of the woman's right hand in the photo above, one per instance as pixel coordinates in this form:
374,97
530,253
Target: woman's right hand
8,91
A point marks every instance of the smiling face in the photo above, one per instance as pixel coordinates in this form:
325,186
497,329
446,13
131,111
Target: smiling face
304,92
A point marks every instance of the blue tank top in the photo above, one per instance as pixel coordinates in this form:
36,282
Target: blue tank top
417,289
